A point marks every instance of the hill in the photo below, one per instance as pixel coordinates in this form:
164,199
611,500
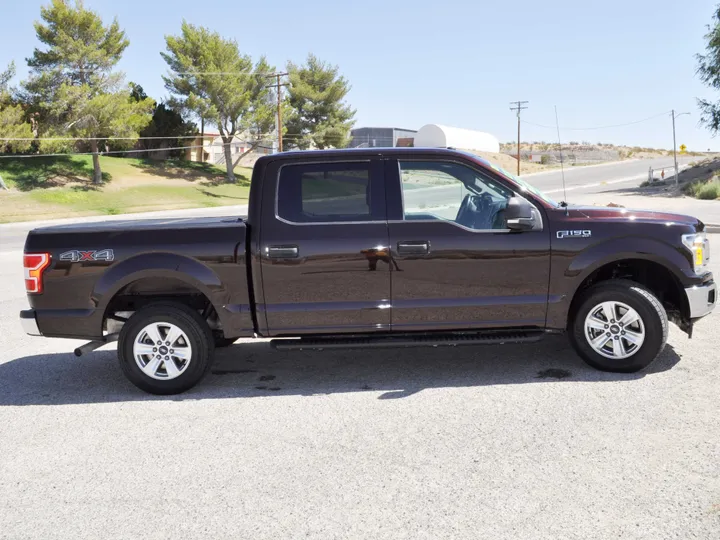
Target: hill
54,187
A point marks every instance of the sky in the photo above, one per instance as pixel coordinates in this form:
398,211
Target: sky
453,62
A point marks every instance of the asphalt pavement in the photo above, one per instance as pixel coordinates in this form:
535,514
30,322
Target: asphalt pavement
598,178
500,442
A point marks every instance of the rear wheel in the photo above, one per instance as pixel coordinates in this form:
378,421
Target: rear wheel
165,348
619,326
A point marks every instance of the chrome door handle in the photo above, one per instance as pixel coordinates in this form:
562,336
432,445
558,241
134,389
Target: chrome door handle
413,247
282,252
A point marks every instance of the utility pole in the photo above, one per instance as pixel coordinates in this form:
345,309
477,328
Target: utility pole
674,116
675,148
279,86
518,107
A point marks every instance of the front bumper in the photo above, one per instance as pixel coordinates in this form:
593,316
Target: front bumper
29,322
701,299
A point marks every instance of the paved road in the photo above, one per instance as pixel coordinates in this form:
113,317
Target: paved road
596,178
478,442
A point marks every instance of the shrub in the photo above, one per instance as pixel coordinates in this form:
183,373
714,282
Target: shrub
544,159
709,190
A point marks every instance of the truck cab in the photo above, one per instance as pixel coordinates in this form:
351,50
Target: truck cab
370,248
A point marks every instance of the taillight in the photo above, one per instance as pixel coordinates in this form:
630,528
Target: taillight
35,264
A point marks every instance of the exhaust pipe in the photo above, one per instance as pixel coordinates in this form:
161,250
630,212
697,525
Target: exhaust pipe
92,345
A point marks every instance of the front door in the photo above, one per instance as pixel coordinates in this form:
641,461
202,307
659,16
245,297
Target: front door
324,250
458,266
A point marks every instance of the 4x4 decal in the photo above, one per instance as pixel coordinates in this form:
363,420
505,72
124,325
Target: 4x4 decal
76,255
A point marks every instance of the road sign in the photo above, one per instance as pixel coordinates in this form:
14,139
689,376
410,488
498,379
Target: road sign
683,148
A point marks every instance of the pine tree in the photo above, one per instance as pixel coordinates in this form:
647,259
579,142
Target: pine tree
73,85
213,80
12,122
709,71
319,117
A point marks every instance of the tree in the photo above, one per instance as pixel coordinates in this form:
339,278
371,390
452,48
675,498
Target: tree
709,72
12,122
166,127
211,79
319,118
72,83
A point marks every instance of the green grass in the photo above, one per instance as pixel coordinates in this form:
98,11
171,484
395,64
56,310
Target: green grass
55,187
53,203
37,172
28,173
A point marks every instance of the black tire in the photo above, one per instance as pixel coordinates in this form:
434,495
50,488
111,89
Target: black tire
647,306
190,323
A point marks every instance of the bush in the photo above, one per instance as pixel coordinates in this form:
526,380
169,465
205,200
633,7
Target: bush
704,189
544,159
709,190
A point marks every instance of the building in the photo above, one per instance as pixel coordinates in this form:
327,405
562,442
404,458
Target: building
209,149
437,136
371,137
199,146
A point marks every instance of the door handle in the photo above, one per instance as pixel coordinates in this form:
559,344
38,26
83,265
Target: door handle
282,252
413,247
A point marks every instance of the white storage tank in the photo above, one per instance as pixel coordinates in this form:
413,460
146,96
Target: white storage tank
437,136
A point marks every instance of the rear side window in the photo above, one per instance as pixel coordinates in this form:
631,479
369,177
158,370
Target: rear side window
325,192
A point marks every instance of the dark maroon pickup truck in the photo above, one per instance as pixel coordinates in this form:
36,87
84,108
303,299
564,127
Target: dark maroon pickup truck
371,248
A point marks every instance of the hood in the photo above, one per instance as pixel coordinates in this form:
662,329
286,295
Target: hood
610,213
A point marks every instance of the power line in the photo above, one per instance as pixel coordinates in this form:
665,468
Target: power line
230,73
112,138
600,127
29,156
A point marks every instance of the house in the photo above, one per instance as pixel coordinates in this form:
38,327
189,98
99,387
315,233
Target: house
209,149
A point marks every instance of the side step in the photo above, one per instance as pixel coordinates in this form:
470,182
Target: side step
408,340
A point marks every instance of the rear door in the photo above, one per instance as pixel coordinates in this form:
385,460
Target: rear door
459,266
324,248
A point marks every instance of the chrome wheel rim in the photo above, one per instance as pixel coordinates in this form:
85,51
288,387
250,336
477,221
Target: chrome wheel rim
614,330
162,351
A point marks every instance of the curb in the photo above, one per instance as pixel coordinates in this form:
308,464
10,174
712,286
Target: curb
712,228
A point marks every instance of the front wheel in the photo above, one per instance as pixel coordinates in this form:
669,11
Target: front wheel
165,348
619,326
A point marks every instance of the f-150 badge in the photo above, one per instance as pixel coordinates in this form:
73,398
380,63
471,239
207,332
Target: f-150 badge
88,256
574,234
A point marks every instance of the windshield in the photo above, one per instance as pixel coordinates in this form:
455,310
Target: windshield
522,183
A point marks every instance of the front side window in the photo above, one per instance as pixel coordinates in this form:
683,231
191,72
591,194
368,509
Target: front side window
437,190
325,192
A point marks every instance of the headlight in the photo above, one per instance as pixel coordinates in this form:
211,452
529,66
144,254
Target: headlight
699,246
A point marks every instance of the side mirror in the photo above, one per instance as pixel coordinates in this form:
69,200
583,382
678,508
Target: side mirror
519,214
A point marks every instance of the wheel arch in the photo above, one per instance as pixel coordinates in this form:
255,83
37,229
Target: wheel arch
658,277
158,276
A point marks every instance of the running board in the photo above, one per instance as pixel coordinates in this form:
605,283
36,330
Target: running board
408,340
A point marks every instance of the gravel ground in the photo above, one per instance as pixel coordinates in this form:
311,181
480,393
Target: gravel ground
475,442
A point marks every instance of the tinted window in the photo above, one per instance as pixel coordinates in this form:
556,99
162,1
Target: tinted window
325,192
447,191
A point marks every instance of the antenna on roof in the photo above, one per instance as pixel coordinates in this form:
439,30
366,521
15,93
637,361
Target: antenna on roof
562,165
